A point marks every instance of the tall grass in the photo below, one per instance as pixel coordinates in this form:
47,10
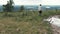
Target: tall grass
25,22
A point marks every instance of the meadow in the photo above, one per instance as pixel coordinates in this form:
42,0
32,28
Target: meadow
26,22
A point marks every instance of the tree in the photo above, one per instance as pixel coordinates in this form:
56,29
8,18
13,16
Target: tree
21,8
9,6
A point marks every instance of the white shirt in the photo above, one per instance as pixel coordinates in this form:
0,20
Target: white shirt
39,8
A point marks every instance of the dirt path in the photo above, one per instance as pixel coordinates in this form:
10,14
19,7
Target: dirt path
55,24
55,29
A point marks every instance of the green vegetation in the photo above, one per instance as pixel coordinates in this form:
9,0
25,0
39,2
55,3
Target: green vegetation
22,8
25,22
50,13
9,6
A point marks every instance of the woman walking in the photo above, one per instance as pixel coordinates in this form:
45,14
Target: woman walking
40,10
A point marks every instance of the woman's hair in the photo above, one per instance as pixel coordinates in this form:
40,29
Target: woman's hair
40,5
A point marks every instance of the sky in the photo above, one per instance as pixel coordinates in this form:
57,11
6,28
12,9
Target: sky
51,2
22,2
32,2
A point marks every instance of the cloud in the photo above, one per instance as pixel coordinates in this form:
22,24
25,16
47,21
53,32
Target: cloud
3,2
51,2
22,2
27,2
32,2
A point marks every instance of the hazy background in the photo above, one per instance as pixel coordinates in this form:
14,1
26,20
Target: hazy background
33,4
22,2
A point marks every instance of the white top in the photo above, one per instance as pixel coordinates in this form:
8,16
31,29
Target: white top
39,8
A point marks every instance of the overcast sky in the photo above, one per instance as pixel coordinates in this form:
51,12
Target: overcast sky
22,2
33,2
51,2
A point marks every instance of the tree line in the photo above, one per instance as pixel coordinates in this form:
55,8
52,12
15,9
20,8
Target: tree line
9,6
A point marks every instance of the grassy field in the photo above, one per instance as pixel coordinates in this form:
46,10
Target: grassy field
25,22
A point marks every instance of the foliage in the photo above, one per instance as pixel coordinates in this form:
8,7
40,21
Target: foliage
9,6
16,23
22,8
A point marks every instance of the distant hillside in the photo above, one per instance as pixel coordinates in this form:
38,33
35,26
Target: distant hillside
26,7
53,7
34,7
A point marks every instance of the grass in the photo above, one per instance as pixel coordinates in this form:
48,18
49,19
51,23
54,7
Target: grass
25,23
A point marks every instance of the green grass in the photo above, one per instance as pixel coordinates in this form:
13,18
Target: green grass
25,22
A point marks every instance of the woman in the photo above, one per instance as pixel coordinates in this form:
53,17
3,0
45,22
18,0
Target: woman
40,10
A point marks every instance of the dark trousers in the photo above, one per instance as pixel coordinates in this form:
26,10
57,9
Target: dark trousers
40,12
